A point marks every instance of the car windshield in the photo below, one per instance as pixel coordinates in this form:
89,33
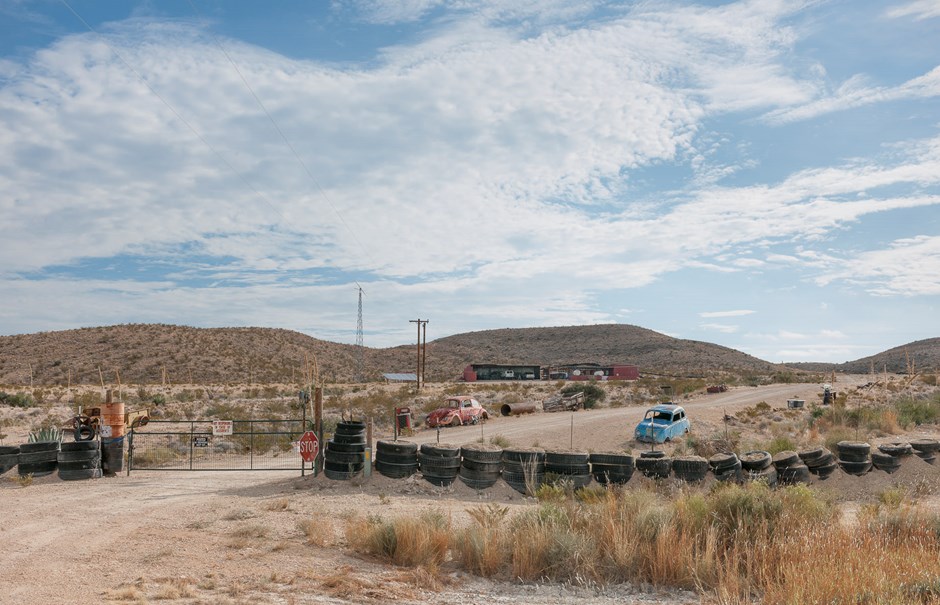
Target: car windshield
661,417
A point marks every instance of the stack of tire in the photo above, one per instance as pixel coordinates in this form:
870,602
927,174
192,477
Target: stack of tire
482,465
819,461
396,459
9,457
926,449
79,460
654,464
574,467
691,469
757,465
726,466
524,469
345,452
790,468
854,457
889,455
38,458
607,468
439,463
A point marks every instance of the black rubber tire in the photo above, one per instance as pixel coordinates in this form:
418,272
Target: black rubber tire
793,474
853,447
39,446
568,469
654,468
345,448
350,428
343,457
83,433
811,453
880,458
473,465
694,464
576,481
723,461
397,458
439,481
340,467
8,461
768,475
825,471
438,462
478,483
35,457
440,450
653,454
79,446
925,445
855,468
439,471
78,456
825,460
521,467
398,448
79,475
931,459
853,457
481,455
339,475
567,458
756,460
607,458
37,469
6,450
349,439
79,465
479,475
512,477
782,460
895,449
524,455
888,468
605,478
395,471
732,473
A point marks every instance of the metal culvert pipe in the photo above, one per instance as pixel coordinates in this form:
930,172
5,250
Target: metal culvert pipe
514,409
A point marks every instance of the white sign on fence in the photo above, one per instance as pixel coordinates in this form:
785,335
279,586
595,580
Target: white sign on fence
222,427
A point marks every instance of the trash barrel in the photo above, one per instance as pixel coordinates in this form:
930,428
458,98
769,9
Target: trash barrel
404,418
112,455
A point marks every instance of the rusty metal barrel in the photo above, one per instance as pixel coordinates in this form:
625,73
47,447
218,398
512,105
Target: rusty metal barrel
515,409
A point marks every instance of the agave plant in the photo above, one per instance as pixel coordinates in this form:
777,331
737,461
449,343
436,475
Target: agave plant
46,434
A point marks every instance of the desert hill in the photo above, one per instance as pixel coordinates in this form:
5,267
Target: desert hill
142,352
924,355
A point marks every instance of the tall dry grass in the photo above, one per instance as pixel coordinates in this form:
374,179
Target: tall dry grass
734,545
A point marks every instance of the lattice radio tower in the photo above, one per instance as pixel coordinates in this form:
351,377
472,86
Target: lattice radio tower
359,348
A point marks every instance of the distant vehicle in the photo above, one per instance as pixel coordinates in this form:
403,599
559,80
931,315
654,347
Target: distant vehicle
509,374
662,423
718,388
529,376
457,411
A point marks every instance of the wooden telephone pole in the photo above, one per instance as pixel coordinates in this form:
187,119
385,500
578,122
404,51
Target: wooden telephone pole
419,369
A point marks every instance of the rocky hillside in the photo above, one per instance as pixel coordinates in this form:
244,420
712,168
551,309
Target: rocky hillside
143,352
923,354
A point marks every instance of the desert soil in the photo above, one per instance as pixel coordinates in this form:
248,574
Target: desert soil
240,537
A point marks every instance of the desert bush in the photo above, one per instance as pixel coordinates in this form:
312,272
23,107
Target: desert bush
17,400
593,393
780,443
410,541
912,411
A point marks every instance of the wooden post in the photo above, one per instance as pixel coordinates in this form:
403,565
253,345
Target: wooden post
117,373
30,374
318,427
100,377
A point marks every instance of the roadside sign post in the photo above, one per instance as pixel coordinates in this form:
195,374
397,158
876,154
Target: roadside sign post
309,446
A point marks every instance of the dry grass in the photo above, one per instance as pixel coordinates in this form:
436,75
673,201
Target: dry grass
318,531
734,545
281,504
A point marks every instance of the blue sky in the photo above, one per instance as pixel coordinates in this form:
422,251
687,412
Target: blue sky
764,175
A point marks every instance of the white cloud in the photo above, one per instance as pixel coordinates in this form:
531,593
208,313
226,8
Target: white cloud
919,9
734,313
724,328
909,267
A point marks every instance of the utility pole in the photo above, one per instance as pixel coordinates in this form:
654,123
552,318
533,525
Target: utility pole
424,351
359,350
418,376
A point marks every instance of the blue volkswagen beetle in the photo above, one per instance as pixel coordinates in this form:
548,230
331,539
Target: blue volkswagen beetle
662,423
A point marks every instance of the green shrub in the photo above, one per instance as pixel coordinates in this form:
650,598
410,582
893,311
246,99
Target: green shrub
17,400
592,392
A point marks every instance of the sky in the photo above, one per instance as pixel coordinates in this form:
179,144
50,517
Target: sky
763,174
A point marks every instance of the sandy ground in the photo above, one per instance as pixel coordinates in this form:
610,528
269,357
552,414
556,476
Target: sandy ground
241,537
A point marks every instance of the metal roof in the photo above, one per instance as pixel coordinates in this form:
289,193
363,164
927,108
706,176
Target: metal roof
665,407
401,377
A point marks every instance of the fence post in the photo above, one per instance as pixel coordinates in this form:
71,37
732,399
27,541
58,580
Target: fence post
251,444
192,433
130,452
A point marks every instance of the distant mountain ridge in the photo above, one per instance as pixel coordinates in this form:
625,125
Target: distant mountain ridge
141,353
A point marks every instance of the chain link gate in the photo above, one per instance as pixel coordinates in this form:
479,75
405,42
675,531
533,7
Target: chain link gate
193,445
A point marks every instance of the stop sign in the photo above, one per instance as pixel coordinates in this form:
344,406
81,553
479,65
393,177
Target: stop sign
309,446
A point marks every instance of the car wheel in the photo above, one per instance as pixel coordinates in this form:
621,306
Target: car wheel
474,420
455,421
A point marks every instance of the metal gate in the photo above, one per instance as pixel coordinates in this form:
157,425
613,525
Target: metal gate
197,445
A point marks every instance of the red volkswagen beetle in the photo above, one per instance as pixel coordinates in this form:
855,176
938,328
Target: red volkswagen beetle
457,411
